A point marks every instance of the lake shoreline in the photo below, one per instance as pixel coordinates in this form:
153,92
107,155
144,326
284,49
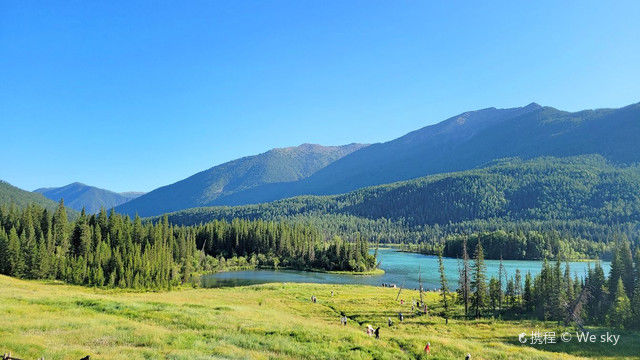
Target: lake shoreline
406,269
376,271
488,258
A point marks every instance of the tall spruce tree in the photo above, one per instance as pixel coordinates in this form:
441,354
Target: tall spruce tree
479,281
501,274
444,289
464,283
518,288
620,310
527,296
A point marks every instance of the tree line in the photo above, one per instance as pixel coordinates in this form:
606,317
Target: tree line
517,245
554,293
112,250
582,201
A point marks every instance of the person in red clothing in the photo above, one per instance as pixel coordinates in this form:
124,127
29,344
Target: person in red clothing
427,348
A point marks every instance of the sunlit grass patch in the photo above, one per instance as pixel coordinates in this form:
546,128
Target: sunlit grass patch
257,322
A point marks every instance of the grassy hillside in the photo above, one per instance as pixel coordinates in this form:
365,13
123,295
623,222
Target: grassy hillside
78,196
273,321
214,185
577,195
10,194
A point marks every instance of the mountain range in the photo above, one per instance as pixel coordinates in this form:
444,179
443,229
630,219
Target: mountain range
466,141
10,194
587,188
462,142
214,185
78,196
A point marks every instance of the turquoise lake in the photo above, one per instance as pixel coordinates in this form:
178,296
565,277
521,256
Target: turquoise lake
401,269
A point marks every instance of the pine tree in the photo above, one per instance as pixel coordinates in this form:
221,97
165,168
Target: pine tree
620,310
60,229
464,288
518,288
16,259
501,274
558,291
628,273
4,252
494,293
616,271
527,297
635,307
568,283
599,297
444,288
478,281
510,294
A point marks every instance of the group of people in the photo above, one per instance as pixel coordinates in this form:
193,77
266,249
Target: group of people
372,331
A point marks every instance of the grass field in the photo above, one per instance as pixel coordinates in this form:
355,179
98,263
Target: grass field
60,321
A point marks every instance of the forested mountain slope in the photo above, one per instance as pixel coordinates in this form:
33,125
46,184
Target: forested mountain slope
575,194
462,142
78,196
467,141
213,185
10,194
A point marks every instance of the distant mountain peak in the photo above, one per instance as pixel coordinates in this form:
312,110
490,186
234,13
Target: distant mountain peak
78,196
276,166
461,142
317,147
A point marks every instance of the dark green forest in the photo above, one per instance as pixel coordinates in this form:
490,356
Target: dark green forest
553,294
10,194
114,251
577,205
521,245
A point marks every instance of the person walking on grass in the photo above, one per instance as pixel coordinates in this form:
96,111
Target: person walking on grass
427,349
468,357
389,322
369,330
377,332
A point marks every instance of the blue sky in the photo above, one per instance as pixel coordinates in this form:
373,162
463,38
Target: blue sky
135,96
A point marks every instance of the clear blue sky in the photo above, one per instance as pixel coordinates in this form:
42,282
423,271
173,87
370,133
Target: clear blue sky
135,96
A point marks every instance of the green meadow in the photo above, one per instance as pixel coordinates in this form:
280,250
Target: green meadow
272,321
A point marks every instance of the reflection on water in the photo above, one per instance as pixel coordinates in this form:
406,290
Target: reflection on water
400,268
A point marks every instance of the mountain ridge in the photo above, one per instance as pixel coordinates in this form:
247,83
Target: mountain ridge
203,188
80,196
10,194
526,132
585,196
461,142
